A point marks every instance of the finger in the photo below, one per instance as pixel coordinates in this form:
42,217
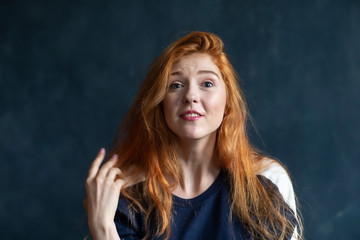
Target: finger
119,183
114,173
102,173
94,167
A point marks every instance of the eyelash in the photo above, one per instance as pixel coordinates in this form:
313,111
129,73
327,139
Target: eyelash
206,84
175,85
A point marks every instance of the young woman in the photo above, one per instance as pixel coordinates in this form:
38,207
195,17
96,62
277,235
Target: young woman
182,166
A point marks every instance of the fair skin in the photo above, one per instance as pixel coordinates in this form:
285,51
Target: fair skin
103,187
194,107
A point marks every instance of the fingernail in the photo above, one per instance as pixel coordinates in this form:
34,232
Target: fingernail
115,156
102,150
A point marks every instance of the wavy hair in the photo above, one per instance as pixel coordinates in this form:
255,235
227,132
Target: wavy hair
147,148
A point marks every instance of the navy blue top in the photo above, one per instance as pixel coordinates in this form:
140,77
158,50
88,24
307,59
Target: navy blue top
203,217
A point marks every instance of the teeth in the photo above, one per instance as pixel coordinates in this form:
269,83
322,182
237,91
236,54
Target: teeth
192,115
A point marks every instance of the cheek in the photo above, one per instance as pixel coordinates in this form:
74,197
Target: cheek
167,102
217,103
169,106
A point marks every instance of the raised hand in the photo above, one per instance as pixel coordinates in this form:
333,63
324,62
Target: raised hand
103,187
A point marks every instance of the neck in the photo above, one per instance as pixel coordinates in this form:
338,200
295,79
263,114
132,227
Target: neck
199,167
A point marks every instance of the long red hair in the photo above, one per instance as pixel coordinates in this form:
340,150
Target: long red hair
147,147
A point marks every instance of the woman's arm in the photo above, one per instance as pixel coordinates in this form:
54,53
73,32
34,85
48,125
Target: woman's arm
278,175
103,186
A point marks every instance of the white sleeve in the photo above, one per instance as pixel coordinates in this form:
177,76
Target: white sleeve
278,175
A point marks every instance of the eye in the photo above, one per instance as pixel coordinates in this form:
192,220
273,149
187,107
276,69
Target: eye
208,84
175,85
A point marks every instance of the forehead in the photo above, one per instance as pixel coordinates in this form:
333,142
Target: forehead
195,61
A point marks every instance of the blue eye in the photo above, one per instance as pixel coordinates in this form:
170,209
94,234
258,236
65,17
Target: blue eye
175,85
208,84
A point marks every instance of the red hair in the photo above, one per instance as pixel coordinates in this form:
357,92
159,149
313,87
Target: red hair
146,147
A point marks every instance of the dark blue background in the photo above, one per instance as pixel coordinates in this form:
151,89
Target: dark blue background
69,71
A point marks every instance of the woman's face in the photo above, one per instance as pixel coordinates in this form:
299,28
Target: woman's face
195,101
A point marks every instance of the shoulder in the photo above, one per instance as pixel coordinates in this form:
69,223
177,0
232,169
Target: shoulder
129,218
277,174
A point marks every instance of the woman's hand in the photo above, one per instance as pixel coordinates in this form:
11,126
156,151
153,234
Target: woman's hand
103,187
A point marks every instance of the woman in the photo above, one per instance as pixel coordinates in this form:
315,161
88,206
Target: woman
182,163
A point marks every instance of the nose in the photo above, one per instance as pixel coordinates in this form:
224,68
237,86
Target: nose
191,95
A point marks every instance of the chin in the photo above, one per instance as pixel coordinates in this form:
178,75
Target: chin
194,136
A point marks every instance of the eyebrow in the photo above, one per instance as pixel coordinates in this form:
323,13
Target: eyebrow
208,71
199,72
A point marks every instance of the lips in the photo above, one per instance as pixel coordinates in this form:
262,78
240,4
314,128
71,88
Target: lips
191,115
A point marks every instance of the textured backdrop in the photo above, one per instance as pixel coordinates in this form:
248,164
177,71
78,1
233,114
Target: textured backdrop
69,71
